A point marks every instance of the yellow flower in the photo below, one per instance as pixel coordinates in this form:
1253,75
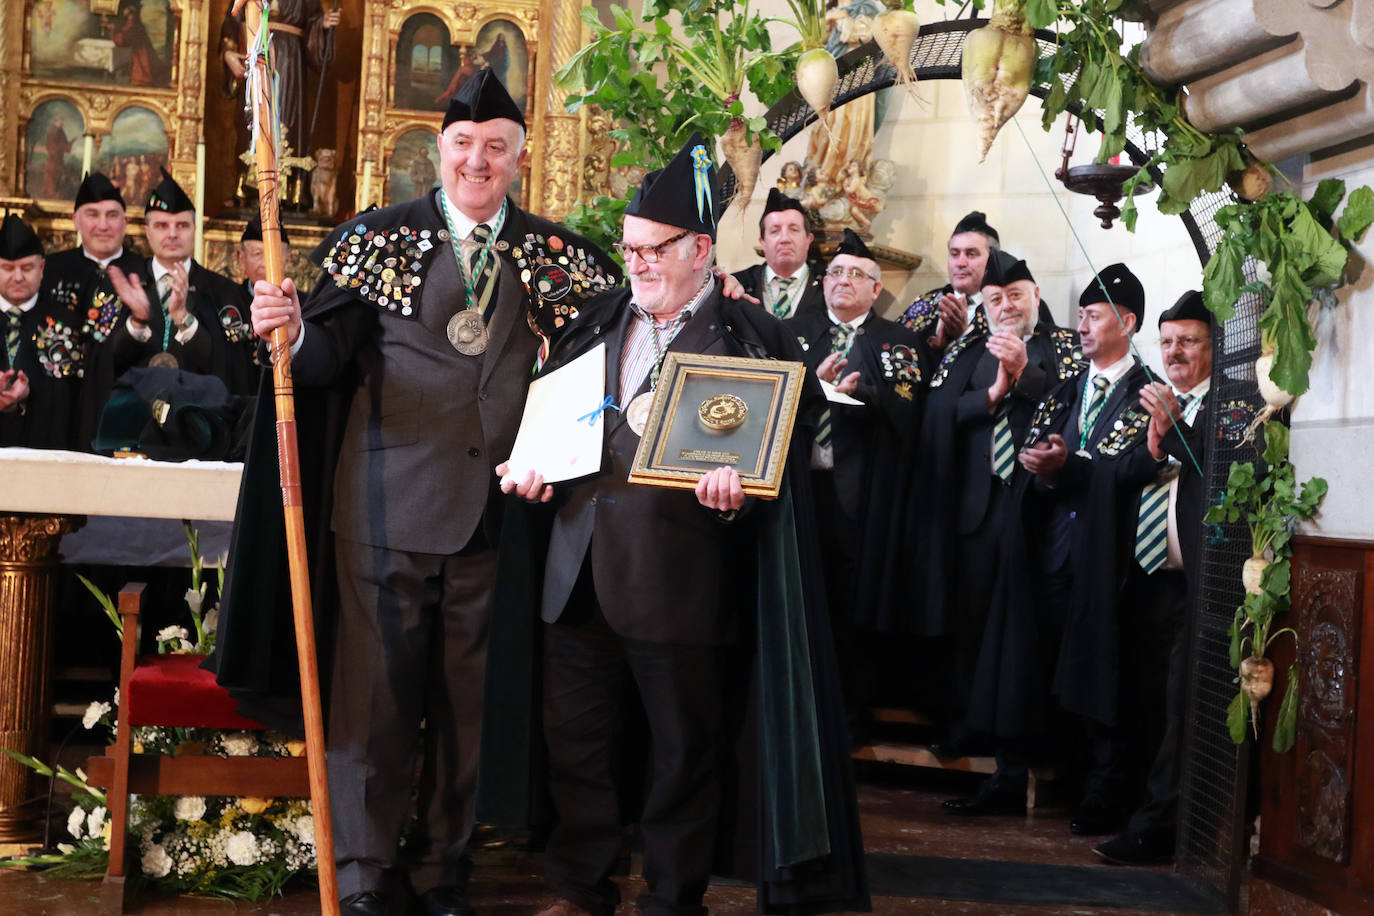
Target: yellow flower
138,747
255,805
105,834
295,747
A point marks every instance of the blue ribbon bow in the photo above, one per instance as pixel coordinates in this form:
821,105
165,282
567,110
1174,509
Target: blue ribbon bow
590,417
701,165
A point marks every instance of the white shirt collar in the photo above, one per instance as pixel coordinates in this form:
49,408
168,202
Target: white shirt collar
6,305
1198,391
464,224
769,273
1115,371
856,323
159,270
104,262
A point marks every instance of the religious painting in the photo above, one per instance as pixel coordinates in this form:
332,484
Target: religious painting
430,69
134,46
134,153
53,151
414,166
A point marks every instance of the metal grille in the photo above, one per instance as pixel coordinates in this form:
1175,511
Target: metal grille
1212,833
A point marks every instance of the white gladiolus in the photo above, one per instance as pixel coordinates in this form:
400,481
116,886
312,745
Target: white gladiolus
189,808
93,714
75,821
194,599
242,848
95,821
156,863
168,634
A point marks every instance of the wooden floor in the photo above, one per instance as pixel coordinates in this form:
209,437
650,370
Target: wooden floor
900,810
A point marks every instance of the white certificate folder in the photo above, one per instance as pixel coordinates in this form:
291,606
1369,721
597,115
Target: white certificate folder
565,414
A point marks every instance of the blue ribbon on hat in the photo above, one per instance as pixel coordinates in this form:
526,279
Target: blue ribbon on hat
701,164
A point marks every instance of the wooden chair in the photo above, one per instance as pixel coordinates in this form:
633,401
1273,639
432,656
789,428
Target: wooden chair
174,691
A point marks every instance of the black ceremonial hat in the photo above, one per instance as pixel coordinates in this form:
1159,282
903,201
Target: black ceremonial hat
1189,307
17,239
169,197
95,187
253,232
684,193
482,98
1004,269
977,221
778,201
1121,286
852,244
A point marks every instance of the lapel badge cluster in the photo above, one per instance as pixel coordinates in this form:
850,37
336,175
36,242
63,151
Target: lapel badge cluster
383,266
1126,432
557,275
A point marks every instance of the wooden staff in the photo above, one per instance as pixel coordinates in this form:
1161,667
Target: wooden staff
265,150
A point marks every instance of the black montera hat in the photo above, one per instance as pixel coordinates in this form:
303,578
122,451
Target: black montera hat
482,98
977,221
684,193
1004,269
95,187
852,244
253,232
1120,285
169,197
778,201
17,239
1189,307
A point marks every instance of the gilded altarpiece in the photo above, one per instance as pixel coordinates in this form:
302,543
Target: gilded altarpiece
128,75
415,56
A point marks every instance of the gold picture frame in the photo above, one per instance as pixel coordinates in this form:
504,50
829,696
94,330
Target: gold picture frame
713,411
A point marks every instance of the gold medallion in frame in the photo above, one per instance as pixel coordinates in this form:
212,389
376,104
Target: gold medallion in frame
720,411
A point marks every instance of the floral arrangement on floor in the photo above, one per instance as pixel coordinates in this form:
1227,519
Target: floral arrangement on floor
241,848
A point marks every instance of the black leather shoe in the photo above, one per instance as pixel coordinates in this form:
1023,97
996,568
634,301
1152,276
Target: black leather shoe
445,900
1148,848
992,798
1096,817
366,903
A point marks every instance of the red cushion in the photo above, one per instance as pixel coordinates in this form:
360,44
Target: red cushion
173,690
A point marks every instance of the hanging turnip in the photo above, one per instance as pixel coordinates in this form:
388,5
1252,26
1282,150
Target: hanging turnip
1252,573
744,157
817,74
999,60
895,32
1256,681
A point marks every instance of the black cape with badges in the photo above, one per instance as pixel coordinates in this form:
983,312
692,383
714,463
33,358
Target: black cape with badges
78,286
52,355
222,345
812,299
1023,638
926,530
789,818
255,653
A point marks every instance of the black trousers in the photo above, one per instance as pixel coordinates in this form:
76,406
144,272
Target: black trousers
1158,811
590,673
411,648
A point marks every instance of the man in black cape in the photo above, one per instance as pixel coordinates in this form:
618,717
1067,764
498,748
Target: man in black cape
978,408
77,281
1163,581
942,314
696,609
411,364
884,367
171,308
785,283
27,407
1060,565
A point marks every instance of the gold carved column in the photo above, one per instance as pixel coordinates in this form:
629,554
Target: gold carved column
557,175
28,577
11,61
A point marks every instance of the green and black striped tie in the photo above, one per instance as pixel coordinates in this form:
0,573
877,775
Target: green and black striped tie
1152,524
483,280
1003,449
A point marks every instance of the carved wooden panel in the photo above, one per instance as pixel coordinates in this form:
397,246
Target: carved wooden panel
1325,615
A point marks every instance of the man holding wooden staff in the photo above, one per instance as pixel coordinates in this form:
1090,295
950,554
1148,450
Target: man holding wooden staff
412,353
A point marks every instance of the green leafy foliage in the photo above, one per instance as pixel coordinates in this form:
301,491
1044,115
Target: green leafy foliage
1358,214
1270,503
1235,717
1286,726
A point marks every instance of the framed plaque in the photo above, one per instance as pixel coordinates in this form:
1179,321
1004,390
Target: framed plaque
719,411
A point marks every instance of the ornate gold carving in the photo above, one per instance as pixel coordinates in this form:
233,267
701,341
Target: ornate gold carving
30,539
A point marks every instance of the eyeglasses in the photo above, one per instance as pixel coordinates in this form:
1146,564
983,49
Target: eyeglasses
649,254
1187,343
853,273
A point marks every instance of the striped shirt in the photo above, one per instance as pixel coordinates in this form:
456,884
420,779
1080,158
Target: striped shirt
637,353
